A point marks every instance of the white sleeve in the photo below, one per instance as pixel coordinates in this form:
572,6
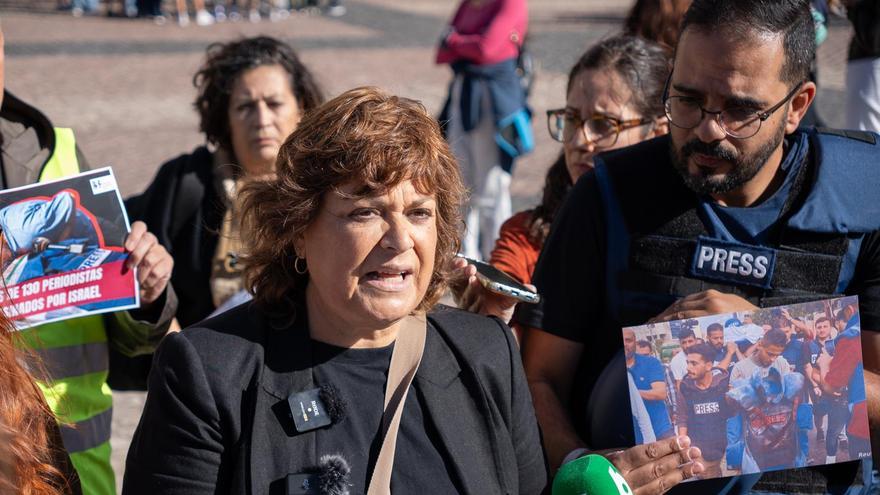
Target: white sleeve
678,366
640,412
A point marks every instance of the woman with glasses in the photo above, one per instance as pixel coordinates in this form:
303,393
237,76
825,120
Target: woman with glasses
613,99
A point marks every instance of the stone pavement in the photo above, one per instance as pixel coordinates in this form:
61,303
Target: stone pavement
125,85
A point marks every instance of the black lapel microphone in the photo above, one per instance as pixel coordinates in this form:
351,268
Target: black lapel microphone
316,408
330,477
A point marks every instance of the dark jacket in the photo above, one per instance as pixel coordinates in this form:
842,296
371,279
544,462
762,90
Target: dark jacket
182,208
216,421
27,140
865,17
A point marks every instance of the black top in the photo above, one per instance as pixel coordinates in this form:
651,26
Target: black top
359,376
705,414
217,418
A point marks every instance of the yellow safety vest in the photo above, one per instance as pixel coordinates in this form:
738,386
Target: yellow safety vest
75,356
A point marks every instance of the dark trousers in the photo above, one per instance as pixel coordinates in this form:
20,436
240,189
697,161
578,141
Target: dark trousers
838,417
149,7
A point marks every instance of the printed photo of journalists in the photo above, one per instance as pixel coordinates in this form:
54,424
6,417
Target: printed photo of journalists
774,388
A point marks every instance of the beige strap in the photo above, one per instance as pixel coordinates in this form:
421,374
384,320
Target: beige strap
405,361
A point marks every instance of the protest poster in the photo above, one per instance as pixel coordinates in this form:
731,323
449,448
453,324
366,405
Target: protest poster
756,391
61,250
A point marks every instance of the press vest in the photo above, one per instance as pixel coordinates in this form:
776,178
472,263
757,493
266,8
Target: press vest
74,355
661,248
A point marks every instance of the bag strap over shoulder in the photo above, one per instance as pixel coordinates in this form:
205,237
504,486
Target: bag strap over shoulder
405,359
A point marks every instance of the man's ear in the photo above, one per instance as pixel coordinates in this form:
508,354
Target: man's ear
800,103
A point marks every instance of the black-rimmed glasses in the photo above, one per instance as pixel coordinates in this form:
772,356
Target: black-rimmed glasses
738,122
598,129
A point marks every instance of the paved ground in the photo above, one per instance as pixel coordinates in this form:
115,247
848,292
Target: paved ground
125,86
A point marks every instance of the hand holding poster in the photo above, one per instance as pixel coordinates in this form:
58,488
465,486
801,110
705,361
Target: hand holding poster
61,250
763,390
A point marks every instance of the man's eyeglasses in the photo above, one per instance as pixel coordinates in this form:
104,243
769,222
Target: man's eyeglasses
598,129
738,122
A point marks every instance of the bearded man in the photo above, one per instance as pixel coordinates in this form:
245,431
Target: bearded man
736,209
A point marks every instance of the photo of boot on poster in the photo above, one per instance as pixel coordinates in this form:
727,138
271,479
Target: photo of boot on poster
762,390
61,250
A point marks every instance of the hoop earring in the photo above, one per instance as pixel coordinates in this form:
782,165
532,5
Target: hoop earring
296,266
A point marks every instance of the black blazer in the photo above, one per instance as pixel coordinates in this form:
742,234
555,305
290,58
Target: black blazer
182,208
216,417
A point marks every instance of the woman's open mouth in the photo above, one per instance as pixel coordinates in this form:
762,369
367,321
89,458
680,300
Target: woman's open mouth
392,281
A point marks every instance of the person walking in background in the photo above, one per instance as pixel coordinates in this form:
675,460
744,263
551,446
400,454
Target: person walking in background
487,122
251,96
203,17
80,7
863,67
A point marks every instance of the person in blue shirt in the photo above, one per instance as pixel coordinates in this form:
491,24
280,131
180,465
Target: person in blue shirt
726,354
797,351
835,407
648,375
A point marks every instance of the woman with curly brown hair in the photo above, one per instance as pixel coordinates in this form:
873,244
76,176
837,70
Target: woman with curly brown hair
350,244
32,458
251,95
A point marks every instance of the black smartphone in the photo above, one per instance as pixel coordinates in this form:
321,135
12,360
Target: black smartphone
499,282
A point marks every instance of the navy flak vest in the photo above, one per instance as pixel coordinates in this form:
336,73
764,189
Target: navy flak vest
661,247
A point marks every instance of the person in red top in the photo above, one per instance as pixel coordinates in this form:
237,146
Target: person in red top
846,377
613,100
485,32
486,119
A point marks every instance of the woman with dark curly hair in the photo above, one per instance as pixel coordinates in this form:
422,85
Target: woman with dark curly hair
251,95
349,248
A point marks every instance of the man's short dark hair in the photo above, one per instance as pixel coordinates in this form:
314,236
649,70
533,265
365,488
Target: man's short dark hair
706,351
821,319
715,327
685,334
774,337
643,343
790,19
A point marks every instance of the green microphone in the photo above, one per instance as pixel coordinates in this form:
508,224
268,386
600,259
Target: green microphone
590,475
